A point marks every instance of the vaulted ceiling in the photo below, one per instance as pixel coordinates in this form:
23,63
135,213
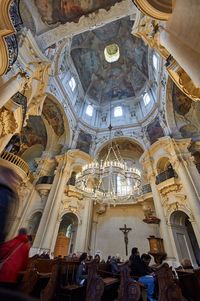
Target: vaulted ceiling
70,10
103,81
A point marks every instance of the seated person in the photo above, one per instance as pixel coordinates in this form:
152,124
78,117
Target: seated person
114,265
139,268
108,259
97,258
187,265
81,275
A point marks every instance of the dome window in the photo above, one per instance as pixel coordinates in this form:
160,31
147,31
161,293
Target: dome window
89,110
111,53
146,99
155,62
118,111
72,84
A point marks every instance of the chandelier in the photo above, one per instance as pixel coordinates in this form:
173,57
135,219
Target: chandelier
109,181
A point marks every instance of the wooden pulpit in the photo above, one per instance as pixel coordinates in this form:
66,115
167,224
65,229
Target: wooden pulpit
157,249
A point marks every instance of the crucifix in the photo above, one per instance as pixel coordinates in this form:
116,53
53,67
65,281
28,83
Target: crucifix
125,231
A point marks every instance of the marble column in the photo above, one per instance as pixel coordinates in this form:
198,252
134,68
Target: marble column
84,242
164,229
75,138
12,86
185,176
49,218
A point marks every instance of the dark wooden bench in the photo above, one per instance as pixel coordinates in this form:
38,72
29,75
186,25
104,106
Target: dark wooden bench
37,276
68,288
169,289
129,289
190,284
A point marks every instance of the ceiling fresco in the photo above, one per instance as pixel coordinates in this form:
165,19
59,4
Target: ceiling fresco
102,80
54,116
187,114
70,10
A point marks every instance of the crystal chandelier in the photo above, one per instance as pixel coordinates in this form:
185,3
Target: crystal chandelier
109,181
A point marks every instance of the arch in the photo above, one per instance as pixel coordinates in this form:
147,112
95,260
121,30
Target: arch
121,138
67,232
31,154
56,116
184,236
162,164
156,9
34,222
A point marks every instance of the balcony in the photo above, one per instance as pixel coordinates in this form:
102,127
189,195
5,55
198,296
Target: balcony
45,180
146,189
165,175
16,163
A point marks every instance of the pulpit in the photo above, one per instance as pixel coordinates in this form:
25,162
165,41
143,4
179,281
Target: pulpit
157,249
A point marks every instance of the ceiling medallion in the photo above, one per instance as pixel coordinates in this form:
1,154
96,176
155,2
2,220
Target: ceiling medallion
111,53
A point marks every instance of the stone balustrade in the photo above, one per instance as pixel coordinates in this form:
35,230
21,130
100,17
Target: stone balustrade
17,163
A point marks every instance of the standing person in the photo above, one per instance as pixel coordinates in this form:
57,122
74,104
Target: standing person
9,181
81,274
14,257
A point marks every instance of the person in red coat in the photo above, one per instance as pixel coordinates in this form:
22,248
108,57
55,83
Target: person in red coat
14,256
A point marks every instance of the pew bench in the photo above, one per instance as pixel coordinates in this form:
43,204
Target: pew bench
190,284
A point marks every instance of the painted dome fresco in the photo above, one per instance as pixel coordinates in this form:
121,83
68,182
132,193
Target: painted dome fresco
102,80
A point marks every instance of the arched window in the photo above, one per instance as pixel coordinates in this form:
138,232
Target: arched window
155,61
72,83
89,110
146,99
118,111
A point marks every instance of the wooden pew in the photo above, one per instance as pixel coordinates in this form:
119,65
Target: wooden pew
28,280
169,289
36,277
129,289
111,282
50,292
190,284
68,288
95,284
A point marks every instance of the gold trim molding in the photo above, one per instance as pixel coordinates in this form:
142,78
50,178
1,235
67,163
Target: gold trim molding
155,9
6,29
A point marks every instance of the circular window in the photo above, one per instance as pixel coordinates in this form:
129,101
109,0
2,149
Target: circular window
111,53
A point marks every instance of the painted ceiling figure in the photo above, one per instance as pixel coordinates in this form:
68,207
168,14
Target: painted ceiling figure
69,10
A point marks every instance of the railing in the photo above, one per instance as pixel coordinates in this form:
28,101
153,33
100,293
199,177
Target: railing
146,188
15,16
198,167
17,161
45,180
12,46
165,175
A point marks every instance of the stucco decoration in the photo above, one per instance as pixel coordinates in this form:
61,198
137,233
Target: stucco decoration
54,116
186,113
70,10
84,142
101,80
155,131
